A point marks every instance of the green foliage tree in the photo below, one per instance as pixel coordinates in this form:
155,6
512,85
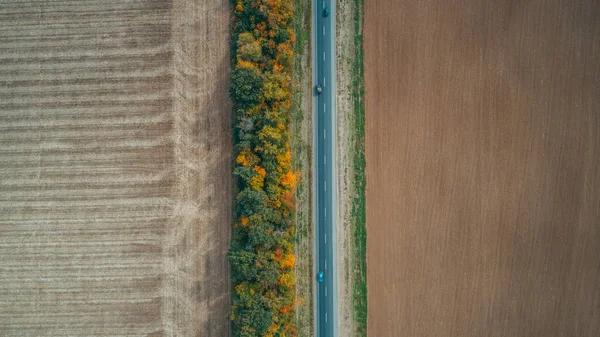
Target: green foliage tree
246,87
243,265
244,172
252,321
282,35
260,233
250,201
269,271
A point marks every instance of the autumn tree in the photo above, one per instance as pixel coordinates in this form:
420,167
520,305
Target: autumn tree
261,252
243,265
249,49
260,234
250,201
246,87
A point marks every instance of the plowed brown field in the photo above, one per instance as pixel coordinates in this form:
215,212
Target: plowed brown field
115,188
483,165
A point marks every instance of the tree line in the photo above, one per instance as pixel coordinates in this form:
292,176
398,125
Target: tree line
261,253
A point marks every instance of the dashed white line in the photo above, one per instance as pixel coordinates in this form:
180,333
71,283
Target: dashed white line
325,216
324,108
325,264
325,186
325,157
323,30
325,317
324,133
325,237
323,56
324,81
325,291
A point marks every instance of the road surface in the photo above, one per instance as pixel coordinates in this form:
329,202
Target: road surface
325,185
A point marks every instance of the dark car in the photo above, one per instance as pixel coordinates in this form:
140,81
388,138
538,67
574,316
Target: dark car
320,277
326,12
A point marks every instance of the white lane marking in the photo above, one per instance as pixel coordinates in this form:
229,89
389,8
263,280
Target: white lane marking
323,56
325,317
325,237
325,186
326,216
325,160
323,4
323,30
325,264
325,291
324,133
324,108
324,81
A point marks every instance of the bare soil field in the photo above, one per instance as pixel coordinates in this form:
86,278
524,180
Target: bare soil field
115,168
483,167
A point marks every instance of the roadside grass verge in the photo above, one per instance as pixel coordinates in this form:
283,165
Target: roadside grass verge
358,222
301,145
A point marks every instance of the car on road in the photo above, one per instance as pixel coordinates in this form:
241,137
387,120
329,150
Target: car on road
320,277
319,89
326,12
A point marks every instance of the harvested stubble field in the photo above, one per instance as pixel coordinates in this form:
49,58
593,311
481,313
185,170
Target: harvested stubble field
115,168
483,168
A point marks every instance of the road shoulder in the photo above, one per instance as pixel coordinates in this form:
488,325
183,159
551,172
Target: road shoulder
351,259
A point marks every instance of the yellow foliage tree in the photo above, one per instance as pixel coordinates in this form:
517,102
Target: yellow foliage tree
284,160
287,280
246,158
269,132
257,181
288,261
245,64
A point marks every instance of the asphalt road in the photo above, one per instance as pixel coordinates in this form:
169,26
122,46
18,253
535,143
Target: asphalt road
325,185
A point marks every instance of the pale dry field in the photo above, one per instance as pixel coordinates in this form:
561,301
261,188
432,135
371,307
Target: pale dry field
483,168
115,168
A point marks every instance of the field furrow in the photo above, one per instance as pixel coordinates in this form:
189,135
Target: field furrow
114,168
